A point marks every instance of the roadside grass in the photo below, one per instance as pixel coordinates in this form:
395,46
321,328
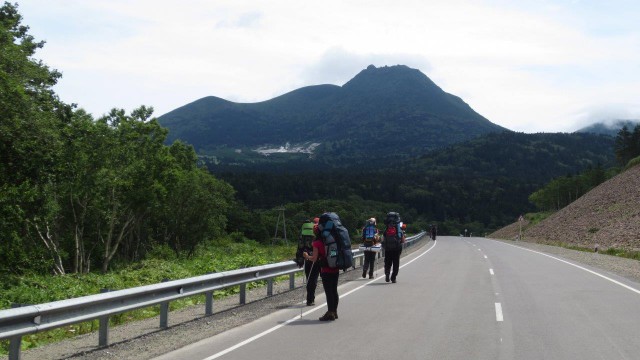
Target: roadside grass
535,218
635,255
223,255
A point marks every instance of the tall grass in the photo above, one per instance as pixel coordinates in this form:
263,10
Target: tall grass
223,255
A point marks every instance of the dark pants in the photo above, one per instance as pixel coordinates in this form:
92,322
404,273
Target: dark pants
311,271
392,259
369,261
330,284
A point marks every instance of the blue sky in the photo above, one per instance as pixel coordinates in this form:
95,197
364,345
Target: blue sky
528,65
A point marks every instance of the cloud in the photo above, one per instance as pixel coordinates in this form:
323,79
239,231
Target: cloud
530,65
337,65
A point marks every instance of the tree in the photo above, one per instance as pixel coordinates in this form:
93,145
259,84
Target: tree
627,144
29,147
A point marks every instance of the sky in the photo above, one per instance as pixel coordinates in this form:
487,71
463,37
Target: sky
527,65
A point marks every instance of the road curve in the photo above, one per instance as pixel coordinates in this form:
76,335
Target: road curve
458,298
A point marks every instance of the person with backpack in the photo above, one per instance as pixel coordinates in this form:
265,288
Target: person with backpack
333,250
393,240
369,239
311,270
329,277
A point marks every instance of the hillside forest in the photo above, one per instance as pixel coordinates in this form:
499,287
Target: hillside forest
81,195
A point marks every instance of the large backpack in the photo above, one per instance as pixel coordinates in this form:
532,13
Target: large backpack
369,234
336,241
305,241
393,232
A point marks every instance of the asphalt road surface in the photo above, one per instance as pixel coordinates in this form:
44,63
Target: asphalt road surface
457,298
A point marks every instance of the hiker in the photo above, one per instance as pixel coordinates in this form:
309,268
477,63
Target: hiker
369,238
393,240
329,277
311,270
434,230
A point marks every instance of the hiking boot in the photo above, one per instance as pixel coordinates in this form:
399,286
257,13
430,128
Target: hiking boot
310,303
335,314
386,278
364,274
370,276
393,280
328,316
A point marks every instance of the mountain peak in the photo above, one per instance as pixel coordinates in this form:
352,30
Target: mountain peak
396,78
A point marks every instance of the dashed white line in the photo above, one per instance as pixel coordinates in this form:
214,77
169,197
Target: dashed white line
485,256
499,316
491,271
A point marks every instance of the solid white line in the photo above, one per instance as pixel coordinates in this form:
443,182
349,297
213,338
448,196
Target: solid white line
577,266
268,331
499,312
491,271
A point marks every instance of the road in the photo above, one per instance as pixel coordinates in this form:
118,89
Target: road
458,298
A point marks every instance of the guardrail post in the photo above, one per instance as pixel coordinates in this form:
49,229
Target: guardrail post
292,281
243,294
164,312
270,287
103,329
15,342
14,348
208,306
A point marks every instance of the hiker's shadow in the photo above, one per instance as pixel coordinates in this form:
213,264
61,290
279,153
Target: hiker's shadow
305,321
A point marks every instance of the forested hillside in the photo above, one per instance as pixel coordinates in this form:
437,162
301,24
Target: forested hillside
481,184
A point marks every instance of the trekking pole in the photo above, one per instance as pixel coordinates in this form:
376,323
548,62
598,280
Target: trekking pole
306,282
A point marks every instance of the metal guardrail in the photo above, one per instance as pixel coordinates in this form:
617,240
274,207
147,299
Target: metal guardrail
17,322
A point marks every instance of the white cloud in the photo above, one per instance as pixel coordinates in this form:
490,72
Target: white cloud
530,66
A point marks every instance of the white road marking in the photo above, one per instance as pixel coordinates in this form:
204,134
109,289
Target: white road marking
491,271
577,266
499,312
485,256
268,331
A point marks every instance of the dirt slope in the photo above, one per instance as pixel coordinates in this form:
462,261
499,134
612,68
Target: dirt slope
608,216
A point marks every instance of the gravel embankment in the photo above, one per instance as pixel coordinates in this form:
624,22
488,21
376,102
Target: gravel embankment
143,339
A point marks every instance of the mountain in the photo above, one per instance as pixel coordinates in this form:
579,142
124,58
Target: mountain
391,111
610,129
607,216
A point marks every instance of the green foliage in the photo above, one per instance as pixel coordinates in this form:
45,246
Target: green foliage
29,138
222,255
633,162
535,218
627,145
562,191
486,180
78,193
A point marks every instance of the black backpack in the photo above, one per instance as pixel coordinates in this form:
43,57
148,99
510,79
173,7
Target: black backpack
336,241
393,232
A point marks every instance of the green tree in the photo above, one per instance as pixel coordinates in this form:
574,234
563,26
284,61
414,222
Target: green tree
29,146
